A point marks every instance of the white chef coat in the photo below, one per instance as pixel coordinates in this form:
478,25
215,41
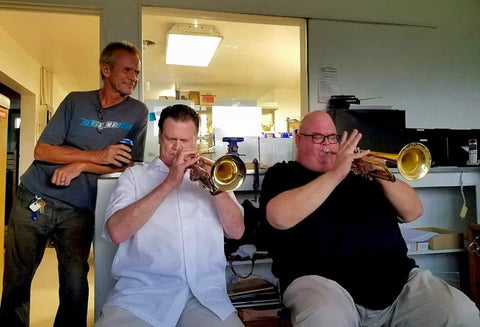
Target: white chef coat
177,253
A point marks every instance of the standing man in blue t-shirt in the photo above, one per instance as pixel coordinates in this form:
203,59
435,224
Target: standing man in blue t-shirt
56,197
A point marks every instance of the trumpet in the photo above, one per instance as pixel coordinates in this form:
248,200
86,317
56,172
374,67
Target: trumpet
226,174
413,162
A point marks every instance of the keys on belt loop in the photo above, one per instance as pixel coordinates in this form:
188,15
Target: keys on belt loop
38,204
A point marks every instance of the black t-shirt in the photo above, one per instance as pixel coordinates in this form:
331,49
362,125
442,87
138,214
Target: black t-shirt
353,238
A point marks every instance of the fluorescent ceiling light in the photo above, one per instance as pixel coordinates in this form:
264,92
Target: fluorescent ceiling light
192,45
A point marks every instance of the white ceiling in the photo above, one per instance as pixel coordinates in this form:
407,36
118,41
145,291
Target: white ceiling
66,44
251,55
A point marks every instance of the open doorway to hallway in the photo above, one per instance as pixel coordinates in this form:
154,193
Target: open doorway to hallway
43,57
253,86
12,145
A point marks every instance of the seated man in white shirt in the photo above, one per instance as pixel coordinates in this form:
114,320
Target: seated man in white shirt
170,263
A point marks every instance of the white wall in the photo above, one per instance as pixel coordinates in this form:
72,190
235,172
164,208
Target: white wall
432,73
59,93
21,72
450,98
442,86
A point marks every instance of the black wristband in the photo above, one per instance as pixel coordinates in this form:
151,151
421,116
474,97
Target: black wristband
217,192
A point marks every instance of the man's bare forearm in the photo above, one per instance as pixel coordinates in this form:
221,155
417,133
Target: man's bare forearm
404,199
62,155
230,215
89,167
124,223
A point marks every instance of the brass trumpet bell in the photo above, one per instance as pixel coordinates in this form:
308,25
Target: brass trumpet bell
227,173
413,162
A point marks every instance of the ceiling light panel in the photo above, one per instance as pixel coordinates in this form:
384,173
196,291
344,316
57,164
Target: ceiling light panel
192,45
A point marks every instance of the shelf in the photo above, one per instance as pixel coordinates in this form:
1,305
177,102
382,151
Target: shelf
426,252
443,177
410,253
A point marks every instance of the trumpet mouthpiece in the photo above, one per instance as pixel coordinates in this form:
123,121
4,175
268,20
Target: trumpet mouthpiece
327,151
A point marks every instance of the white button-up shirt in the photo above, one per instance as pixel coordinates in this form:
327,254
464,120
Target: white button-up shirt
179,250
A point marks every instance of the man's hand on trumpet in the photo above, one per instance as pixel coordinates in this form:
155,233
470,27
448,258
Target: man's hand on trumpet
205,164
200,168
347,153
200,172
369,165
184,158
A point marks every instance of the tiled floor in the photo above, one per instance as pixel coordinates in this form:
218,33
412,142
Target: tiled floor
44,300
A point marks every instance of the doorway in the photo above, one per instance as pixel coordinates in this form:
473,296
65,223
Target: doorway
46,55
13,143
260,62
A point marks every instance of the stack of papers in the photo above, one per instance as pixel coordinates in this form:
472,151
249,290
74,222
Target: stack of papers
417,240
411,235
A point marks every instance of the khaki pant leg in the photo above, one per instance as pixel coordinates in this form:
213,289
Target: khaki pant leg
196,315
428,301
114,316
316,301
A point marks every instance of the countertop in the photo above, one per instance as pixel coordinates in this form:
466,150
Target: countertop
261,171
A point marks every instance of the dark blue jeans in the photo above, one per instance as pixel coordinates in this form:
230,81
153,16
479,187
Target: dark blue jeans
71,232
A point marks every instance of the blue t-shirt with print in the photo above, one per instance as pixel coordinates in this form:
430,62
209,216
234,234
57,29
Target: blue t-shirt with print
81,123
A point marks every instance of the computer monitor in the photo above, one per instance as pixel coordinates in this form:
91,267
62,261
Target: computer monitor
381,129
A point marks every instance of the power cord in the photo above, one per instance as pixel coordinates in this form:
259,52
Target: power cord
464,210
252,266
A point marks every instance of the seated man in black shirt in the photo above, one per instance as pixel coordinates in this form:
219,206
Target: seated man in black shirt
336,244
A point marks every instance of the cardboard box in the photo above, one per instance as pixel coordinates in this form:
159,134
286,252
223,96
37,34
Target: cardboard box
417,246
194,96
207,99
445,240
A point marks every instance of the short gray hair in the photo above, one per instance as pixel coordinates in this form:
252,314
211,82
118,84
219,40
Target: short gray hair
108,54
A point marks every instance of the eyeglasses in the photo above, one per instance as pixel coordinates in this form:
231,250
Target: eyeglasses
318,138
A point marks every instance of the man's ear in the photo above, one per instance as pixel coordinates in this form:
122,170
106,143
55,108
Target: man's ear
297,138
105,69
